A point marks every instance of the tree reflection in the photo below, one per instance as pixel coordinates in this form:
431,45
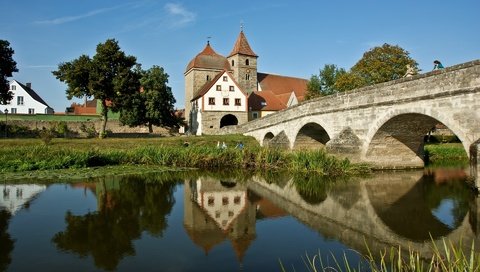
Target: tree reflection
6,242
127,206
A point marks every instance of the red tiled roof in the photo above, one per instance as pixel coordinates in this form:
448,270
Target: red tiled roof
265,101
209,59
242,47
282,84
276,91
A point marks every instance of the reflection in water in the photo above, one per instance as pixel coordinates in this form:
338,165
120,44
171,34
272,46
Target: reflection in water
421,209
215,211
6,242
16,196
127,206
310,214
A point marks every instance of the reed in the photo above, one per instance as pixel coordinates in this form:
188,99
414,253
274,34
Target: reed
446,257
45,157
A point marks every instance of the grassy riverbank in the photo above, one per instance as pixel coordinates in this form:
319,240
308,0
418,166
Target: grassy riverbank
18,155
446,154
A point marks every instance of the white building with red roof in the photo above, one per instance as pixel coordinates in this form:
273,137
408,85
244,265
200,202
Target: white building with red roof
223,91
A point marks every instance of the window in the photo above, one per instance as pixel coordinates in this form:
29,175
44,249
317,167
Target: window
247,77
233,62
13,87
211,101
224,200
236,200
211,201
231,88
255,115
238,102
219,87
13,110
19,100
31,111
226,101
225,78
247,62
208,78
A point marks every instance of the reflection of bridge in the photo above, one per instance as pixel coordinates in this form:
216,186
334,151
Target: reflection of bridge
367,212
382,124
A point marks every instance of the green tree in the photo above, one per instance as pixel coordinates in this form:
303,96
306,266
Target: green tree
379,64
109,76
7,67
324,83
313,87
154,105
328,76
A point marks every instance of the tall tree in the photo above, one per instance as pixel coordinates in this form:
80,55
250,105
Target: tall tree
328,76
379,64
324,83
314,88
7,67
154,105
109,76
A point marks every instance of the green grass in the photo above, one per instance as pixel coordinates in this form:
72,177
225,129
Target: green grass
447,154
52,117
17,155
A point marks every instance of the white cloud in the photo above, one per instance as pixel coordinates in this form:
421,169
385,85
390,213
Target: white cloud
179,15
68,19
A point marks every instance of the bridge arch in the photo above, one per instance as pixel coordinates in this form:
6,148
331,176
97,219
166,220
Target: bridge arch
311,135
267,138
396,138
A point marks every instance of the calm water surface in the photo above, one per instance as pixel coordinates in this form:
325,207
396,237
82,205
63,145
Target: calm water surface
207,223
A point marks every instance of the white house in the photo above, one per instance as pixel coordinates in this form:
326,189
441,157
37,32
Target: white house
220,99
25,101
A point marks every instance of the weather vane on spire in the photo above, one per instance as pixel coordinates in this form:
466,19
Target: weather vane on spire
241,25
208,39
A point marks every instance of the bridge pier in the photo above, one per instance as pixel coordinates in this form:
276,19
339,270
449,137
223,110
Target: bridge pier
474,163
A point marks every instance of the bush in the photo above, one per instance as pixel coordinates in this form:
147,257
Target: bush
46,135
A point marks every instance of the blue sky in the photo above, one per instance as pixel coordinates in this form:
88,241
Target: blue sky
294,38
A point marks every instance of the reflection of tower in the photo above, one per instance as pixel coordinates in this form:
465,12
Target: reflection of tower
216,210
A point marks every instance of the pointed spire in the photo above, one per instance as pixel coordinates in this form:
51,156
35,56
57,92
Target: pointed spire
241,46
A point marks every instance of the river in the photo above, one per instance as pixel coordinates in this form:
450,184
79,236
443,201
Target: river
214,222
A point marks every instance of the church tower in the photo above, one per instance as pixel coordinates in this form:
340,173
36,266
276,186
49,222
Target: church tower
243,62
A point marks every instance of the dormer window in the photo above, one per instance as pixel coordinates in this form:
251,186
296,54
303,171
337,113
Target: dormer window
263,103
247,62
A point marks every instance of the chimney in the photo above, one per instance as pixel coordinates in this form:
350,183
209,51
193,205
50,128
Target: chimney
29,85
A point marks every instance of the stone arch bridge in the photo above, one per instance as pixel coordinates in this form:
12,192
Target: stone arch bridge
384,124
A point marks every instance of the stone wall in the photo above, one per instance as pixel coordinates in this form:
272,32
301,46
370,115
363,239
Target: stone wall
211,121
77,129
